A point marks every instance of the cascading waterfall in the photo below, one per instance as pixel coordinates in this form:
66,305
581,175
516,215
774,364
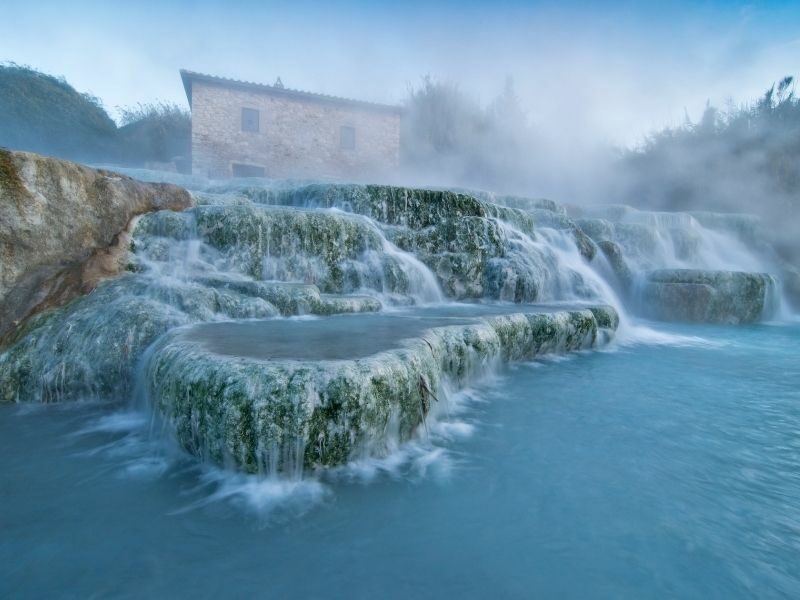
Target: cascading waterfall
272,348
571,278
246,255
423,286
659,240
701,266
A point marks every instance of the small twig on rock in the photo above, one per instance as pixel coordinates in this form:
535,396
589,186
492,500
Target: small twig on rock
321,443
424,390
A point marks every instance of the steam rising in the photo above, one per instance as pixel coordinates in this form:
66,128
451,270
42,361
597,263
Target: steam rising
538,99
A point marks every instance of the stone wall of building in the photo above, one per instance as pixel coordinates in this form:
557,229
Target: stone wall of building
297,137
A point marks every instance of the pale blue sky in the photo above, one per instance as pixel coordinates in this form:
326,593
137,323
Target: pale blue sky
599,71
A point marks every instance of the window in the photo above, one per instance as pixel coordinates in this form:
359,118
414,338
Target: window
249,119
247,170
347,138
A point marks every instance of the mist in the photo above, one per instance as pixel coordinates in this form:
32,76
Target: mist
423,299
543,99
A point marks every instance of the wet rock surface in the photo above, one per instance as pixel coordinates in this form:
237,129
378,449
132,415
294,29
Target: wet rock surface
63,228
707,296
258,409
222,318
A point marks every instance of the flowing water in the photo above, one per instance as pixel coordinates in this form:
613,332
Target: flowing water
641,471
663,465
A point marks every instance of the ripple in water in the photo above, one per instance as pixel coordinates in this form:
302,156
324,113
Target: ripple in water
651,471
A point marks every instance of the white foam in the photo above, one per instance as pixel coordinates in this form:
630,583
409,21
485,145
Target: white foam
413,459
634,333
452,430
428,454
118,422
145,467
266,497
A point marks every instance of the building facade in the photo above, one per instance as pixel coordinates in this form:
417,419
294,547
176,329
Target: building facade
242,129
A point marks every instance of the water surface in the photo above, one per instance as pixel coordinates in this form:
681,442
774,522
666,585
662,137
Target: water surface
341,337
638,472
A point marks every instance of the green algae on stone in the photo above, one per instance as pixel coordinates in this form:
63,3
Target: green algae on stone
555,220
85,350
284,415
471,245
90,347
391,205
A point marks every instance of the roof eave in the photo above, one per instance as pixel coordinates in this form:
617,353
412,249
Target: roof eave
186,78
189,76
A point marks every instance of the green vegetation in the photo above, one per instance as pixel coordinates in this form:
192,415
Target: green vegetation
45,114
155,132
741,159
42,113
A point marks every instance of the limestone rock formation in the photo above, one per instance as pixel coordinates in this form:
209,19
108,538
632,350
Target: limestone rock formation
791,285
63,228
89,348
475,247
283,414
244,256
707,296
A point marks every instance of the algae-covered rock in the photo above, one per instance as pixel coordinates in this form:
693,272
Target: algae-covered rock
457,251
89,348
528,204
63,228
392,205
606,317
639,243
475,249
85,350
337,252
522,203
707,296
293,298
281,415
469,242
286,244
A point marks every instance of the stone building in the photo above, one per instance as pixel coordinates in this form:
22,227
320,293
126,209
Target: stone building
242,129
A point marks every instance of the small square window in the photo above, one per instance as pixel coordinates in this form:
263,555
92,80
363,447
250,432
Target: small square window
347,138
250,119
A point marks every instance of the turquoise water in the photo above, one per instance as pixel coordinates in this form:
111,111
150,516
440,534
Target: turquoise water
665,470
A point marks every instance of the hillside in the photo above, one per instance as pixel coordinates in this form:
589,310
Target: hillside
45,114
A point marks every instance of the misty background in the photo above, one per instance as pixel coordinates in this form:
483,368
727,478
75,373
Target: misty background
676,107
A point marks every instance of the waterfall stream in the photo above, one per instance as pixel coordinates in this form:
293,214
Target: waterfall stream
490,283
